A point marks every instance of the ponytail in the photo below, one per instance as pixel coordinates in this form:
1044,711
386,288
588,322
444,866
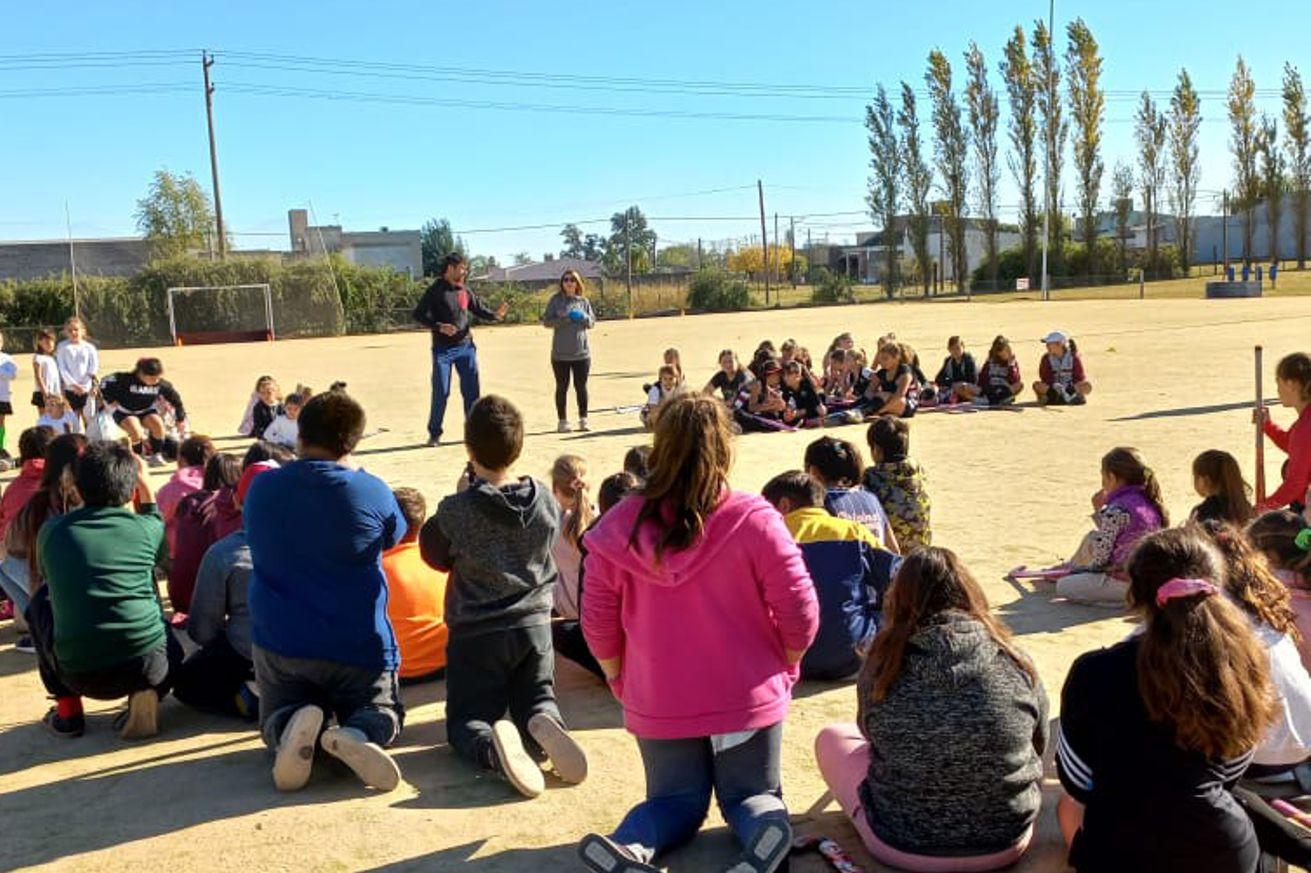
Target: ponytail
1126,464
1285,539
1074,347
568,477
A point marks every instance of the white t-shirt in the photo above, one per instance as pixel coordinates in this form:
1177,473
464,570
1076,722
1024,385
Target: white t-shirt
8,372
1288,740
282,431
70,423
77,363
49,369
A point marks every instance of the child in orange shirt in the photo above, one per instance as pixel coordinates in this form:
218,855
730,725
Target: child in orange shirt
416,595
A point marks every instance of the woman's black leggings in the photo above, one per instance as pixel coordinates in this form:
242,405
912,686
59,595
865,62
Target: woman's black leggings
579,370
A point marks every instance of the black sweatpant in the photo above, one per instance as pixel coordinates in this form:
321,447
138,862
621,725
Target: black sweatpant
567,637
491,673
579,370
154,669
211,678
365,699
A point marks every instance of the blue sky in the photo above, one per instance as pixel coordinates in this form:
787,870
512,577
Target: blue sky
365,163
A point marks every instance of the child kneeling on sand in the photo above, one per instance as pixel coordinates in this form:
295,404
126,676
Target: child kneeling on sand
495,538
317,529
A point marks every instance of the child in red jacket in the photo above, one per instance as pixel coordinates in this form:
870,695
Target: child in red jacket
1061,378
1293,381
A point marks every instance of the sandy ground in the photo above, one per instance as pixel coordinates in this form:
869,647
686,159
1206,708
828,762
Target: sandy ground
1173,378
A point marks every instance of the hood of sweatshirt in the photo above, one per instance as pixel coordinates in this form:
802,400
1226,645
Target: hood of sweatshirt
515,504
611,537
949,651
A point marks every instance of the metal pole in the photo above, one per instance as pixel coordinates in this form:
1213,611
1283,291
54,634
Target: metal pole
72,261
792,244
764,239
1225,230
628,265
205,63
778,254
1051,144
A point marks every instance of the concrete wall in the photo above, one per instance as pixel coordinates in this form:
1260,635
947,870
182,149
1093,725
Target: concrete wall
402,250
100,257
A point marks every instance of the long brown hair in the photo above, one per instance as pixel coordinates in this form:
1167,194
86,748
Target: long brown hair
687,471
578,280
1202,672
568,477
931,580
1220,469
1275,534
1126,464
1249,580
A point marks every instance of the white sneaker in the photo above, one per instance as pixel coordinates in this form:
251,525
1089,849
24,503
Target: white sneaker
370,761
156,460
583,425
295,754
564,427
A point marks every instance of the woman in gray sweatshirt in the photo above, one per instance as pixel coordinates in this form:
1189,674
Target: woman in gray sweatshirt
944,769
570,315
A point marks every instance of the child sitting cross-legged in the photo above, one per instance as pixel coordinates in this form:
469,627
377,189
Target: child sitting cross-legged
849,567
943,769
283,430
416,595
97,622
495,539
898,482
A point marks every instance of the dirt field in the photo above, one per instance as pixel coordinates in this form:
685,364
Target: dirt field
1172,377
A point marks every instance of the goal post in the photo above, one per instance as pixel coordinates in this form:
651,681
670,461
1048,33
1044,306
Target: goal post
220,314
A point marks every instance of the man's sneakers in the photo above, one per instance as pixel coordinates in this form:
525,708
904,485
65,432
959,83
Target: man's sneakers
604,855
511,760
433,442
568,758
66,728
295,755
370,761
768,849
141,718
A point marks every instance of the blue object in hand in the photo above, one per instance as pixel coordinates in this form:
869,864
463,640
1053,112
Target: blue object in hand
577,315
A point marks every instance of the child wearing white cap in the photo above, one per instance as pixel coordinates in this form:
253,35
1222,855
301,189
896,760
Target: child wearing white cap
1061,377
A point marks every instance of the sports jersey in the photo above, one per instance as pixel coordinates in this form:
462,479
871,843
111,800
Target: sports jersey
135,397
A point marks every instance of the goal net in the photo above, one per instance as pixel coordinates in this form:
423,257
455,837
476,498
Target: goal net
220,314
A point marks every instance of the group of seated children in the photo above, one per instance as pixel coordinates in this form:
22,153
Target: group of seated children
781,390
271,417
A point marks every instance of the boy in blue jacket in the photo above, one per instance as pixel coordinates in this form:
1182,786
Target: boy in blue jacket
849,566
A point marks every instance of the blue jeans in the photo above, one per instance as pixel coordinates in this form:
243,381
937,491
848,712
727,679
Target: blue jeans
680,775
14,581
464,358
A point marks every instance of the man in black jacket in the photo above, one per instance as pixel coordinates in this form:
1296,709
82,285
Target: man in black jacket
446,309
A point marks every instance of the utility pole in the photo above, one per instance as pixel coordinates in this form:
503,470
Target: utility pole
764,240
1225,231
698,253
628,265
1051,144
778,255
792,244
205,63
72,261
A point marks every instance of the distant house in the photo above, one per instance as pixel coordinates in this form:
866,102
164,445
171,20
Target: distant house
865,261
402,250
34,259
541,272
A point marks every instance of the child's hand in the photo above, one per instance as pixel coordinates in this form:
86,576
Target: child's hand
502,309
1098,499
1261,415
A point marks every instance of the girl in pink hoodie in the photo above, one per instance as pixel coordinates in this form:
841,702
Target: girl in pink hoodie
698,608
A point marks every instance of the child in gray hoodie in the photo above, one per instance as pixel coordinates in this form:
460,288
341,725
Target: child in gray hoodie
495,537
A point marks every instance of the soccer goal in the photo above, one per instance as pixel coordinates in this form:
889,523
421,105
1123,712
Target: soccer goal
220,314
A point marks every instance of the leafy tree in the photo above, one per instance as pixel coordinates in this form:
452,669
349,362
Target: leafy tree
950,147
1022,95
1150,128
1083,61
521,258
175,216
1047,72
751,260
1122,191
1185,122
573,241
480,264
1244,145
1273,181
437,241
981,100
1297,142
885,182
681,256
918,179
630,241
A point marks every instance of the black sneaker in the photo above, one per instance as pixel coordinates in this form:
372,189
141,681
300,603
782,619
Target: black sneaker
1077,399
1055,396
604,855
25,644
65,728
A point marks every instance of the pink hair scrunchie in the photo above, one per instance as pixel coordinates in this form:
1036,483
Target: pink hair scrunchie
1176,588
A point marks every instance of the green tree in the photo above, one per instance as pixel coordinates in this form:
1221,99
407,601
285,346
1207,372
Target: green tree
1083,61
630,241
175,216
951,148
437,241
1185,170
1022,95
1054,128
1273,181
680,256
885,181
1297,141
1150,128
1122,191
1244,145
918,182
573,241
981,100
